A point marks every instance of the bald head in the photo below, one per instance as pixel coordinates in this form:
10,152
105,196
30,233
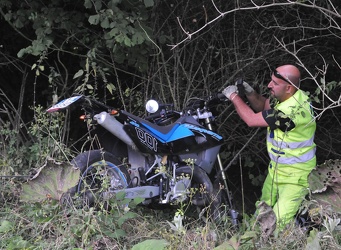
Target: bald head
291,73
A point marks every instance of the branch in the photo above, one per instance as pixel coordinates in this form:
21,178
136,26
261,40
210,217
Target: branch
312,5
322,86
15,28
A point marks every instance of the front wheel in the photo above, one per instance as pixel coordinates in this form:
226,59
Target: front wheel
101,174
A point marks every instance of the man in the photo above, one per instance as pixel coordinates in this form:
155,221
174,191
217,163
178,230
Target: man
290,138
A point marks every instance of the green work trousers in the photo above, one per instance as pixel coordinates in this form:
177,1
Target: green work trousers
285,195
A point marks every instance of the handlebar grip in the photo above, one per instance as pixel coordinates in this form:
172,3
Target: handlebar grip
240,86
162,114
221,97
153,116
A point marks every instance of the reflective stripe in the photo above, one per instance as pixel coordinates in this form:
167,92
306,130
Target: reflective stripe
292,160
283,144
296,146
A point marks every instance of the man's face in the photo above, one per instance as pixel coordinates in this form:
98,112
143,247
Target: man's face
279,88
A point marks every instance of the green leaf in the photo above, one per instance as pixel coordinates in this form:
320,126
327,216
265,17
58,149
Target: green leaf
78,74
248,236
137,200
120,195
151,244
8,16
316,99
149,3
231,244
18,23
51,181
137,38
111,87
94,19
115,2
6,226
123,202
87,4
325,184
17,242
119,38
124,217
113,32
127,41
323,81
98,4
105,23
118,233
313,240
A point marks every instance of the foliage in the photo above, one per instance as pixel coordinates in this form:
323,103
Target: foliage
94,41
50,182
120,23
71,226
20,155
49,134
46,224
11,155
119,51
151,244
325,185
326,175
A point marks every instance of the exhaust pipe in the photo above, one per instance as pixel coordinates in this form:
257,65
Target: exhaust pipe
115,127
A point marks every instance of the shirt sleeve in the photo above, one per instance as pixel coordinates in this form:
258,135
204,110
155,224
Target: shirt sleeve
277,119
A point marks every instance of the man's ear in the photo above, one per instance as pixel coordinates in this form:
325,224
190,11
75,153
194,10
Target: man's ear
288,89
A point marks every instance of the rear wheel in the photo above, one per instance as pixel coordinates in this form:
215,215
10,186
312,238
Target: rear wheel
101,174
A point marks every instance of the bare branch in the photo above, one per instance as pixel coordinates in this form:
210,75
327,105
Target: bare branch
332,12
321,85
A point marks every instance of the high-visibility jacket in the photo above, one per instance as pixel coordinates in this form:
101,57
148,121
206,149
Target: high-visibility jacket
292,152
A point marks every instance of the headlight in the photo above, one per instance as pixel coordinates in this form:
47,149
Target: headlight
152,106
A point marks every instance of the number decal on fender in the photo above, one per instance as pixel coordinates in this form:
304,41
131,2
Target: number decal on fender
146,139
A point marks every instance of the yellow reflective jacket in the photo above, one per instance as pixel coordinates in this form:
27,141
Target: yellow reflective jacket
292,153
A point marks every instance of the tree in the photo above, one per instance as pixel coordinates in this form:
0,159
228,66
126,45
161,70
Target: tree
95,40
125,52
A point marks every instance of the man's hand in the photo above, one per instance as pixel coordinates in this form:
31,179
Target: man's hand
229,91
247,87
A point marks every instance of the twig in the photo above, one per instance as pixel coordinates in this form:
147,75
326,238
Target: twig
325,11
236,155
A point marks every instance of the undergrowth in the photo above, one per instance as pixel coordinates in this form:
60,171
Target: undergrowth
51,225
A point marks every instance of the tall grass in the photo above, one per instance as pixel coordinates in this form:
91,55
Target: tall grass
49,224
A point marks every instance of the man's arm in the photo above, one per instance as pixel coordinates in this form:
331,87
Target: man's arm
251,118
258,102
